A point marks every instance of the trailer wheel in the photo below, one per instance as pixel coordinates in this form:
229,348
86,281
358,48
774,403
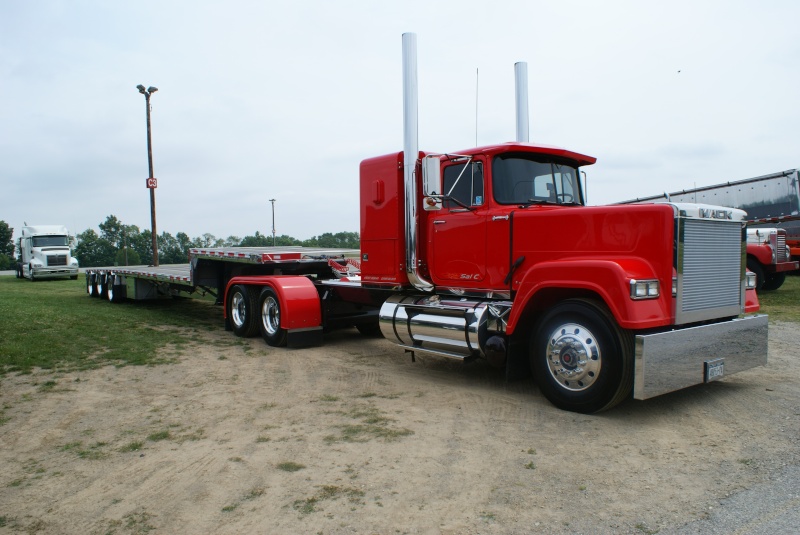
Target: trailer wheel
773,281
100,285
116,292
242,311
270,318
90,284
582,361
754,266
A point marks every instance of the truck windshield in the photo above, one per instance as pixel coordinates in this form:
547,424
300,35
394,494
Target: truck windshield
522,179
50,241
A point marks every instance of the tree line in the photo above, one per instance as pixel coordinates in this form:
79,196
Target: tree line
118,244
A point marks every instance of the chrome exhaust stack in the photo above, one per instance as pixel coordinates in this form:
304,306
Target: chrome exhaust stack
521,94
410,156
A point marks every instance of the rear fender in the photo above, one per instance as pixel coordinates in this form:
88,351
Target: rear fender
609,280
298,297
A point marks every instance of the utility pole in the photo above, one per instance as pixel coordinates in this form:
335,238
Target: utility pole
152,183
273,221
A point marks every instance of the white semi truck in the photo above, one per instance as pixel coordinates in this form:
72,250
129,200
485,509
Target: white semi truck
45,252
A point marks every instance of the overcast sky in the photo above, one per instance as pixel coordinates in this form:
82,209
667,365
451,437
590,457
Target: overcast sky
265,99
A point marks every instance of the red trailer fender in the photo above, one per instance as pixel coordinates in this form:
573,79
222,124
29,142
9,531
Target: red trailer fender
298,297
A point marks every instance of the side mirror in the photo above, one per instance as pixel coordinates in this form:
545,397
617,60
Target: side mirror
432,183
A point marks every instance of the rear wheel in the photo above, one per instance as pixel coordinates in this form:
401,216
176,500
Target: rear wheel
270,318
100,285
583,362
773,281
116,292
90,286
242,311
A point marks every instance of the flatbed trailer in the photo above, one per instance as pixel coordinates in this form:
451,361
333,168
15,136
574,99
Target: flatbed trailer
334,274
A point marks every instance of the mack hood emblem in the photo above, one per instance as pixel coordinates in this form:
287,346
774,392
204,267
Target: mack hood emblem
710,211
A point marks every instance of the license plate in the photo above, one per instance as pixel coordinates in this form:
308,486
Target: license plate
714,369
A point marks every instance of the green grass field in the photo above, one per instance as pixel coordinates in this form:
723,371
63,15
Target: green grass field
54,325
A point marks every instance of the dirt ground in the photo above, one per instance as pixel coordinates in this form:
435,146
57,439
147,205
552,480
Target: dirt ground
352,437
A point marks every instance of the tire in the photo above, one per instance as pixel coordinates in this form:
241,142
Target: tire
773,281
30,272
90,288
269,323
242,311
100,286
117,293
569,331
754,266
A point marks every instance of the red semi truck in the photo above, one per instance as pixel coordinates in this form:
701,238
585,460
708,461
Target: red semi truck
490,253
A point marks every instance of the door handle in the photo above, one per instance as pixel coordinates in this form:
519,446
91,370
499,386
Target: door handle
439,222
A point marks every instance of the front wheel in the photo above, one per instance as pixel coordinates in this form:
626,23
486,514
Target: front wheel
582,361
270,318
773,281
754,266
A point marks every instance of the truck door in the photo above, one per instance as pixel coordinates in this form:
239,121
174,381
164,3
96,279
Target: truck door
458,231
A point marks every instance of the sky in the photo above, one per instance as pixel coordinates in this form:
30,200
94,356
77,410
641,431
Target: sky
261,100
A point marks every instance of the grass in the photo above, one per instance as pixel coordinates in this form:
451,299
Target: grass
782,304
328,492
54,325
371,424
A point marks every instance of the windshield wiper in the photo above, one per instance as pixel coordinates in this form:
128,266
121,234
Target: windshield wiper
536,201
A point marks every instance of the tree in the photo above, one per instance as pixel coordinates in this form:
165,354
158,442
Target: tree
340,240
259,240
6,246
93,251
112,230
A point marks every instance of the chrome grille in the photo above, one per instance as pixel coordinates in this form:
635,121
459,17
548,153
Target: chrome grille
56,260
781,251
710,273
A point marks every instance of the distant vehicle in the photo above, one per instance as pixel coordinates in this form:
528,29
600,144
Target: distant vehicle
45,253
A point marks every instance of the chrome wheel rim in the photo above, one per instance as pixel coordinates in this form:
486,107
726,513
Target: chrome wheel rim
237,309
573,357
271,316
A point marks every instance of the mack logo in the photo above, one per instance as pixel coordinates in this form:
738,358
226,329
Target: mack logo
716,214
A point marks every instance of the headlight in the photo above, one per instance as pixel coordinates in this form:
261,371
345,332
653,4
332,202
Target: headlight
750,280
644,289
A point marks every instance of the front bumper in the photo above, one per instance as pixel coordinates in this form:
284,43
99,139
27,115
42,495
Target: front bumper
672,360
780,267
44,271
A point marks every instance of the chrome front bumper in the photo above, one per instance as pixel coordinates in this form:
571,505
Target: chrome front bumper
672,360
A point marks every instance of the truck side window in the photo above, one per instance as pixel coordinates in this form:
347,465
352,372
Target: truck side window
464,181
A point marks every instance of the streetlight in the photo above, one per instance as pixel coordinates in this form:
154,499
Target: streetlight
273,221
152,183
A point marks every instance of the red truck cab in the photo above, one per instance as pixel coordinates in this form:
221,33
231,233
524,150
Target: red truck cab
492,248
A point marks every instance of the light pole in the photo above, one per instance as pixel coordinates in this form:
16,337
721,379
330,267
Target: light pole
152,183
273,221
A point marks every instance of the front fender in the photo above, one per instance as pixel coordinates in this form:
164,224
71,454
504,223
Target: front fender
298,297
761,252
609,279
